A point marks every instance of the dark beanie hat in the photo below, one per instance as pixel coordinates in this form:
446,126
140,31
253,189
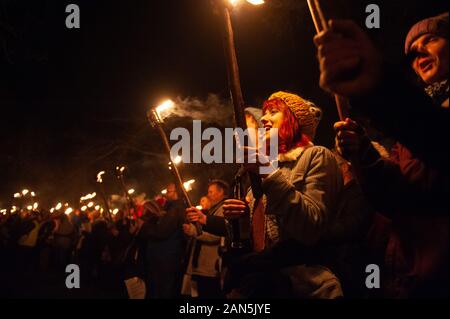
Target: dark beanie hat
437,25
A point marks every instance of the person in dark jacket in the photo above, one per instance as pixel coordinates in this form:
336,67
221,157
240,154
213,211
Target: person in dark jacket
412,186
164,252
202,277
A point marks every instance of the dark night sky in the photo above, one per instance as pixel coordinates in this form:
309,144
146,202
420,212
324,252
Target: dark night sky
74,101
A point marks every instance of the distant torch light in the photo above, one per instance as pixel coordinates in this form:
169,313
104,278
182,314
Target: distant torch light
131,191
35,205
84,208
17,195
88,196
68,211
115,211
188,185
25,191
52,210
199,207
13,209
99,176
30,207
33,194
90,204
58,206
164,191
97,207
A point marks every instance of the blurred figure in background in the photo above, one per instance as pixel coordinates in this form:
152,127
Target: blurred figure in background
203,273
165,243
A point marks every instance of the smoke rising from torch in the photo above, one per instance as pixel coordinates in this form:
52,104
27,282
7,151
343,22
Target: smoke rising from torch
212,110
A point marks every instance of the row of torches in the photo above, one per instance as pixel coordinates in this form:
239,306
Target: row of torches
156,117
89,197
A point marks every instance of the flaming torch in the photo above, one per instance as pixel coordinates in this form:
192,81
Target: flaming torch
225,7
231,57
234,82
156,118
321,24
103,194
126,193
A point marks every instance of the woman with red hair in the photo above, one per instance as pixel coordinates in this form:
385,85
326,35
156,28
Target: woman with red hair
298,208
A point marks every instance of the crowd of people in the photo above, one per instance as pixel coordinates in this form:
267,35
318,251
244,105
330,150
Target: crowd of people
317,218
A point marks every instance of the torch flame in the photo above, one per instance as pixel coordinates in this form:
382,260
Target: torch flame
84,208
90,204
256,2
131,191
88,196
253,2
17,195
162,109
177,160
99,176
25,191
68,211
188,185
58,207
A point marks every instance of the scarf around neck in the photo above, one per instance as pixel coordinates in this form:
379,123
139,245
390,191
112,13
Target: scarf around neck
438,91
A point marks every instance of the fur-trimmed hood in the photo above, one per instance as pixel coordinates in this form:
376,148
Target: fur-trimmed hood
293,154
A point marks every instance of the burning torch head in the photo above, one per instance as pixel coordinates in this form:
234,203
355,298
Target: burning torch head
234,3
119,171
158,114
99,177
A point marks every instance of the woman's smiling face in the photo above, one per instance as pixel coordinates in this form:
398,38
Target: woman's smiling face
273,119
